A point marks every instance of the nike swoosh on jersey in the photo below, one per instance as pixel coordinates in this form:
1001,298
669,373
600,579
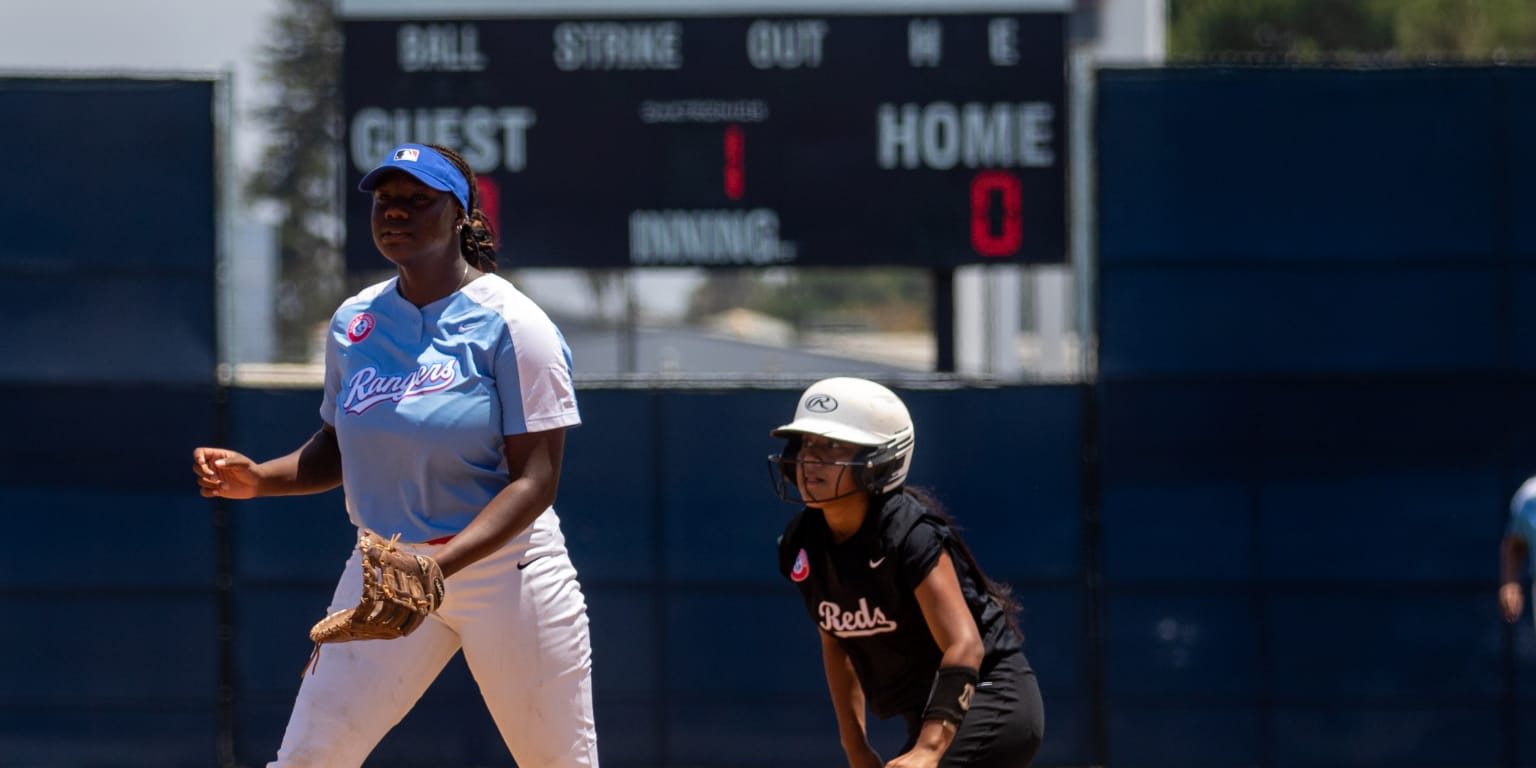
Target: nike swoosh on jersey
525,563
470,326
876,563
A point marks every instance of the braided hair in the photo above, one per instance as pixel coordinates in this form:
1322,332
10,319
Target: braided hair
477,241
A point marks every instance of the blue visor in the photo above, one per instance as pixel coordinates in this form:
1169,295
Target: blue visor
427,165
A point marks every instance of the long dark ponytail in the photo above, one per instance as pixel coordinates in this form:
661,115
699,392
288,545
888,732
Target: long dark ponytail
999,591
477,241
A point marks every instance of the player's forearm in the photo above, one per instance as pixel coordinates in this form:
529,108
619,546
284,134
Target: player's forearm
849,707
508,514
314,467
847,703
847,695
934,737
285,477
966,651
1512,554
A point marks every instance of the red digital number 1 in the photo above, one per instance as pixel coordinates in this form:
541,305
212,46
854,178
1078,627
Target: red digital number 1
1005,188
735,162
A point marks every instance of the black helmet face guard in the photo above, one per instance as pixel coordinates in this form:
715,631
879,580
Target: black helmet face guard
869,469
782,469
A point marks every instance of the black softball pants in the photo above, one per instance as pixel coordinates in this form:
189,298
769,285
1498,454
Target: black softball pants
1005,723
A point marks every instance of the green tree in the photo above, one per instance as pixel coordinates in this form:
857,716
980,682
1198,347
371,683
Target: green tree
1486,29
1215,29
1322,31
299,168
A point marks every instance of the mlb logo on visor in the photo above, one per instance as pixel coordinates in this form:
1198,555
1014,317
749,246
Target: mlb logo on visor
407,154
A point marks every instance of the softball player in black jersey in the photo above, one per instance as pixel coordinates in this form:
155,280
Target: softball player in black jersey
909,624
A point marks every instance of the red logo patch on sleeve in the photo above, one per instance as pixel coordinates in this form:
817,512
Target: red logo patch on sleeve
360,327
802,567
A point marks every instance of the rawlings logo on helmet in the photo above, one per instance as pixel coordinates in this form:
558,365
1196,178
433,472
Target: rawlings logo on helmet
821,403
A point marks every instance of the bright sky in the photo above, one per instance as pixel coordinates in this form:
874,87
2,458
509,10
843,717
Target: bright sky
151,37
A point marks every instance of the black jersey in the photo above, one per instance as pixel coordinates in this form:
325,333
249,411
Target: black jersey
862,591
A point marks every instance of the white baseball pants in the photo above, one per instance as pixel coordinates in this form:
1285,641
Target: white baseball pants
524,636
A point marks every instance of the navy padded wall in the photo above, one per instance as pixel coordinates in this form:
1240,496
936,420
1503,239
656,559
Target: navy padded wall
125,291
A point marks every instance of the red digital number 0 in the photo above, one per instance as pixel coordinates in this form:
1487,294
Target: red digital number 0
1009,194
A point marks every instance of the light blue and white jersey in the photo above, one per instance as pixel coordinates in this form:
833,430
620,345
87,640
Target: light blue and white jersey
421,398
1522,516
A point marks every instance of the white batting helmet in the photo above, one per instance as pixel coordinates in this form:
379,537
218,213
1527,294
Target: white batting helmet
857,412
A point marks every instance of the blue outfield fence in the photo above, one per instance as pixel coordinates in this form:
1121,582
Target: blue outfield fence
1312,387
702,653
108,270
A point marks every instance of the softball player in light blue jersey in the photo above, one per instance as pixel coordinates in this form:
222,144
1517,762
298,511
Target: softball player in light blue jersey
1515,550
447,395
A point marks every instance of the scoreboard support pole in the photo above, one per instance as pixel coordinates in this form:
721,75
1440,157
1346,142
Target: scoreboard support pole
944,319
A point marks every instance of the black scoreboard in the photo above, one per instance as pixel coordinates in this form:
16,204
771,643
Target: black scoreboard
928,140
